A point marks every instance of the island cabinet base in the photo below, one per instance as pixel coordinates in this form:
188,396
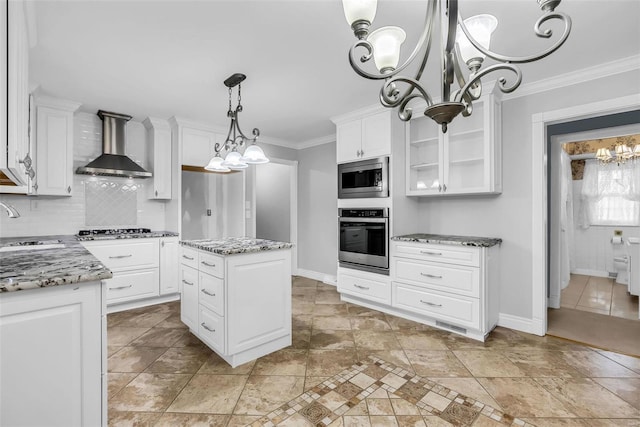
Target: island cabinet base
239,305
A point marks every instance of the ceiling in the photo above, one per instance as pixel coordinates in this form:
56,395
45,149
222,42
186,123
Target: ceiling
165,58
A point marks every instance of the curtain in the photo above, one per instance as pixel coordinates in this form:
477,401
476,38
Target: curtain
610,194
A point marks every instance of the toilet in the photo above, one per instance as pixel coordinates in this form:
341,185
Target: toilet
620,261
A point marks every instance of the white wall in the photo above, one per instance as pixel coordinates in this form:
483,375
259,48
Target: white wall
41,215
592,251
273,202
509,216
318,209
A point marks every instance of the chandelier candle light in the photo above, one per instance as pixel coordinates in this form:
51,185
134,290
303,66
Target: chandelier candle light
253,155
463,41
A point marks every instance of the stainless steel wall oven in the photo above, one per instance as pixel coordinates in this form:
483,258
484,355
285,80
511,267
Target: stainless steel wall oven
364,239
365,178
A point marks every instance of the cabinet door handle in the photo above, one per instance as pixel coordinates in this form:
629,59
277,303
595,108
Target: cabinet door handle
355,235
156,193
162,244
204,291
361,287
431,275
204,325
431,304
430,253
69,189
188,283
120,287
207,264
440,188
121,256
188,257
444,187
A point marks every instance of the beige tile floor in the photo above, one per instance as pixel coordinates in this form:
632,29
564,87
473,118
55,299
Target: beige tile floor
599,295
160,374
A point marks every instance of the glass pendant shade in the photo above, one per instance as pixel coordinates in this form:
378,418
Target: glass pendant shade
215,164
254,155
234,161
386,42
356,10
481,27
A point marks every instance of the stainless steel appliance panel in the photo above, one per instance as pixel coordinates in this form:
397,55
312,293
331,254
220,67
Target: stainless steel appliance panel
365,178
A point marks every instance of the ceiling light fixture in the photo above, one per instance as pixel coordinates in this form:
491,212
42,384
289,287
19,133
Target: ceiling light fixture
462,41
236,139
622,153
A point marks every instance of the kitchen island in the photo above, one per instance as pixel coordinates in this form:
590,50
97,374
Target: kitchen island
52,333
236,295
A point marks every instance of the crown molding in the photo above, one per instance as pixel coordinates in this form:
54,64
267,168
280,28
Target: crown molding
317,141
575,77
358,114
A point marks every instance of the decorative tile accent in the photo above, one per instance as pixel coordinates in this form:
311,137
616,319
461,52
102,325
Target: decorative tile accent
111,202
341,393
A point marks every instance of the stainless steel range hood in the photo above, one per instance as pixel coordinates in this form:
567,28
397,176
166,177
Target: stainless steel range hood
113,161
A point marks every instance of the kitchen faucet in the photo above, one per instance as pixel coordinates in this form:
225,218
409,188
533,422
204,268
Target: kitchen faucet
11,211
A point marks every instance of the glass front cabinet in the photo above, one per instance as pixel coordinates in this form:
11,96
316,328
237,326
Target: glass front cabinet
465,160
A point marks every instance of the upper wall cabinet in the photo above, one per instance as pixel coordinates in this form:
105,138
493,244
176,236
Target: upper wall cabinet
465,160
14,120
362,138
159,143
53,157
196,142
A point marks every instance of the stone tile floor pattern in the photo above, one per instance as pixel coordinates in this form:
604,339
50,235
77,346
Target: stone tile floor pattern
161,375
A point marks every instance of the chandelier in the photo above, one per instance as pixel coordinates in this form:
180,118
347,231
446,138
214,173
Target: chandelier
236,139
463,42
622,153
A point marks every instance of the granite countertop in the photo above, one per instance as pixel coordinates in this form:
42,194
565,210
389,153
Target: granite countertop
444,239
155,234
41,268
236,245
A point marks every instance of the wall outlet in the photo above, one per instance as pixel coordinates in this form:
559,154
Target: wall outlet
617,233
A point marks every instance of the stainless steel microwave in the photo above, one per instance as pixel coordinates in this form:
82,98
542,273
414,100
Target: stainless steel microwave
364,178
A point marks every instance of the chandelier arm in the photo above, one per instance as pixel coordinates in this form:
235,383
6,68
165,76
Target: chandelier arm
502,82
425,37
475,91
537,30
241,135
386,101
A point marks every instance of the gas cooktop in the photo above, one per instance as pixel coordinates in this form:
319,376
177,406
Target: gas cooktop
113,231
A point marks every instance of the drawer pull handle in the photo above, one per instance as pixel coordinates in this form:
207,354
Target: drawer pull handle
188,283
433,276
204,325
204,291
120,287
361,287
431,304
430,253
207,264
121,256
188,257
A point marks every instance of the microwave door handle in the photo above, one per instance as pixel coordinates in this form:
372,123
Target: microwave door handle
374,220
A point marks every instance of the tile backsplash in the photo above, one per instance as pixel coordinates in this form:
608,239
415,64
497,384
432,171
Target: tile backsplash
95,202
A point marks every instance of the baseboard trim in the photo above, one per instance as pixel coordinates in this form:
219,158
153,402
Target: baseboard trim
322,277
522,324
587,272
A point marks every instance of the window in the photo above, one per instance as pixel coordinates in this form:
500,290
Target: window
611,193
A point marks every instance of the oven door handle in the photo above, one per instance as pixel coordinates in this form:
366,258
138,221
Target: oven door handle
372,220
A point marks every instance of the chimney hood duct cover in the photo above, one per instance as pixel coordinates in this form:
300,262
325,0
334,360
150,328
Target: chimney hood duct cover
112,161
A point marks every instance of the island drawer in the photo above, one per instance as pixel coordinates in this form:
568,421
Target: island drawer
461,280
189,257
459,310
364,287
130,285
460,255
115,255
211,329
211,264
212,292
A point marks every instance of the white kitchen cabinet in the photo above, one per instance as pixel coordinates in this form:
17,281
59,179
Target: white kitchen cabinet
453,287
144,271
53,157
239,305
169,265
365,285
15,118
52,356
159,143
365,137
465,160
